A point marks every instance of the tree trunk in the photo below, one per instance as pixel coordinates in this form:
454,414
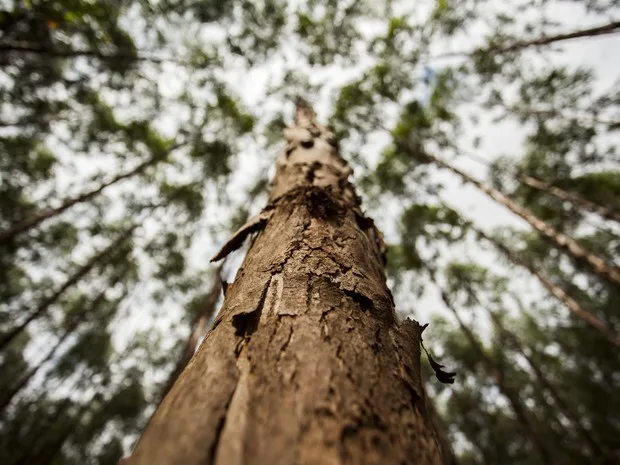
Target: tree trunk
47,452
70,327
100,258
306,362
605,29
554,290
29,47
518,408
594,445
563,242
610,28
37,440
561,194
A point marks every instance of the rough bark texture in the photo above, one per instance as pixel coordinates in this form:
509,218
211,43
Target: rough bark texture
518,407
561,194
306,363
555,290
562,241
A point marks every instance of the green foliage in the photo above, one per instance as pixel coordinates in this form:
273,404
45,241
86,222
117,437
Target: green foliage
196,93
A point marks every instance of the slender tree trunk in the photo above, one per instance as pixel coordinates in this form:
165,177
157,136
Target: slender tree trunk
519,410
594,445
584,118
562,241
553,289
99,258
198,327
47,452
40,217
610,28
306,362
561,194
29,47
37,441
75,321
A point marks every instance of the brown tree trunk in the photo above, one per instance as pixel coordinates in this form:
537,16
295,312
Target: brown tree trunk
554,290
40,217
562,241
518,408
29,47
306,362
561,194
100,258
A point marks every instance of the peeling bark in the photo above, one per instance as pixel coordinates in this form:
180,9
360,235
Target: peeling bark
306,363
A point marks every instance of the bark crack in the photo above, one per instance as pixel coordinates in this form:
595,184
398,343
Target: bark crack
220,428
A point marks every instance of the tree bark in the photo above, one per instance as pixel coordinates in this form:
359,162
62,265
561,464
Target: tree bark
99,258
306,362
518,408
561,241
554,290
561,194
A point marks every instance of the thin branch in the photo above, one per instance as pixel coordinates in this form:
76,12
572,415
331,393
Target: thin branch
26,47
605,29
561,194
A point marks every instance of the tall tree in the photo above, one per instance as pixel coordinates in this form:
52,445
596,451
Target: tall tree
306,361
517,405
562,241
554,289
603,211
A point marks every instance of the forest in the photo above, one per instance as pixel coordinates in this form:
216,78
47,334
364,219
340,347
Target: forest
461,178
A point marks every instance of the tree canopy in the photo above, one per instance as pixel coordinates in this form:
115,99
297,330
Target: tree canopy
136,135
